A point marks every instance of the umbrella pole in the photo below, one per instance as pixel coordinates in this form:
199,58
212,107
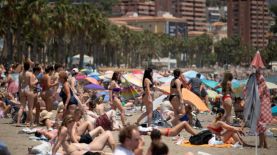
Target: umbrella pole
256,143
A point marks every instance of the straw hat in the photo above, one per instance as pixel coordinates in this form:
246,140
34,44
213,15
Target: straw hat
45,115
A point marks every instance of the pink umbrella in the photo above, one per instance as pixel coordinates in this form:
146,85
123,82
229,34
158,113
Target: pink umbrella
92,80
257,62
137,71
80,77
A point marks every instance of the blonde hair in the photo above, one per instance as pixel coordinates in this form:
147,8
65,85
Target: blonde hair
63,75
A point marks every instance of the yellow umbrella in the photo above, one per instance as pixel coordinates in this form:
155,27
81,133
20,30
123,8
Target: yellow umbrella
271,85
212,94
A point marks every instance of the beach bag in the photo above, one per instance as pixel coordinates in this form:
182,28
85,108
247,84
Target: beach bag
202,137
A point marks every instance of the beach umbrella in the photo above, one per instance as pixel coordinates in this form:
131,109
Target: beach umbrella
157,102
257,61
129,92
137,71
94,87
252,105
194,100
95,77
187,95
212,94
86,71
274,111
192,74
80,77
131,78
271,85
91,80
94,74
210,83
108,74
105,94
165,79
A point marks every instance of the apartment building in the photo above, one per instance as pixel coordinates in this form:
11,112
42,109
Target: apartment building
250,20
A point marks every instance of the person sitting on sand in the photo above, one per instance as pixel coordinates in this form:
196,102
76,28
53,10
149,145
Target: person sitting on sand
98,118
75,148
224,131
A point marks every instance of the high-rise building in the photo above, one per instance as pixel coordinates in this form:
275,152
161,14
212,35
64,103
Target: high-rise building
250,20
194,11
143,8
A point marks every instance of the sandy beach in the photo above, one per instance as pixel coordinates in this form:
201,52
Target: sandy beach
18,143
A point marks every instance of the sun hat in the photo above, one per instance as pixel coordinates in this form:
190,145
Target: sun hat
76,70
45,115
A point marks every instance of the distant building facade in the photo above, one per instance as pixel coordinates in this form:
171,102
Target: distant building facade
250,20
159,24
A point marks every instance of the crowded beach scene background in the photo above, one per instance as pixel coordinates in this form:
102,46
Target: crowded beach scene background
138,77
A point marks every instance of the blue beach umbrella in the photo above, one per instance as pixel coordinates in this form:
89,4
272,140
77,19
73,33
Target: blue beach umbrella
166,79
94,87
192,74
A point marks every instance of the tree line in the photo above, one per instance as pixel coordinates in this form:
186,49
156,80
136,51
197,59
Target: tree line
53,32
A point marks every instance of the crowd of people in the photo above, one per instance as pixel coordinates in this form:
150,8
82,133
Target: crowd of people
77,121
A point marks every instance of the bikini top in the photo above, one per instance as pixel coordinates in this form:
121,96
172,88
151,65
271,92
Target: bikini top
217,130
151,86
175,86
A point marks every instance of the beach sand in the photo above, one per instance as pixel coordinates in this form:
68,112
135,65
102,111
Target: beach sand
18,143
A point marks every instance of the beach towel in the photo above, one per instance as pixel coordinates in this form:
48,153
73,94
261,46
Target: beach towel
186,143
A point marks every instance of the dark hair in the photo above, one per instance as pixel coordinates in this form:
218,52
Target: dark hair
92,153
57,66
48,69
126,133
116,78
227,77
147,74
176,73
26,66
159,149
155,134
36,69
198,75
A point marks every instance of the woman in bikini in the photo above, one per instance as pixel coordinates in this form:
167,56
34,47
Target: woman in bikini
74,147
147,96
224,132
47,93
175,97
115,89
170,132
27,83
69,101
227,98
97,118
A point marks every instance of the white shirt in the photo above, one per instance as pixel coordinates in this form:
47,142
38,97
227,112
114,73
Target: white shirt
120,150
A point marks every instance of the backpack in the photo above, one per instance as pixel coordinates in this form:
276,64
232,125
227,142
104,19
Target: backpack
202,137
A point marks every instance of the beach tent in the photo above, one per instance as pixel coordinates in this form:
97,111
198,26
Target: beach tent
87,59
192,74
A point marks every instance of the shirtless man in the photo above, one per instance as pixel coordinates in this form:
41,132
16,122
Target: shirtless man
64,140
27,83
47,93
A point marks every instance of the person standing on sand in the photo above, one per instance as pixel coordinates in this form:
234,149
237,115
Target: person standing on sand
265,114
147,96
27,83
